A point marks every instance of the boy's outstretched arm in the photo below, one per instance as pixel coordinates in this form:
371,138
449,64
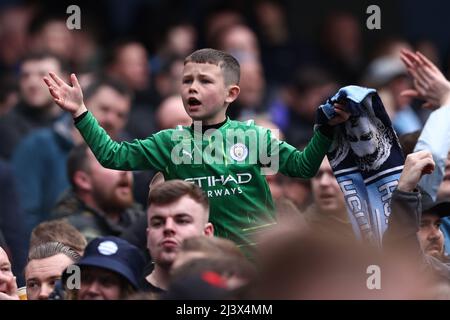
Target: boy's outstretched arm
136,155
306,163
69,98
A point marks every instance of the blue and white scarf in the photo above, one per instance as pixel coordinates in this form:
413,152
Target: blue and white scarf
366,159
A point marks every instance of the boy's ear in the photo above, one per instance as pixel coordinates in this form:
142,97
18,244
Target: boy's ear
233,92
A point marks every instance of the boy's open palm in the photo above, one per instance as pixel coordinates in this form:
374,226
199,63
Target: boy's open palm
69,98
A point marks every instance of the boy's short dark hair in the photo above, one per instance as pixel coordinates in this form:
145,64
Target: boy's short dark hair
172,190
228,64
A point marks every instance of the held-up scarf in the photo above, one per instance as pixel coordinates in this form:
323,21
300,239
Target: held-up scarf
366,159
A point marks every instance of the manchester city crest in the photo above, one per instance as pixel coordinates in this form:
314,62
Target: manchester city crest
238,152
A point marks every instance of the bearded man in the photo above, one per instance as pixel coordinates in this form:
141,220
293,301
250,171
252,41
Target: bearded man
100,201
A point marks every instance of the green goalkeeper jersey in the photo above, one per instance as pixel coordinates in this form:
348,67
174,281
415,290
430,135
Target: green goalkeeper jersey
228,163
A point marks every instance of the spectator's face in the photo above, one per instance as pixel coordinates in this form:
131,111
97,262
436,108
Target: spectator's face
252,84
170,224
6,275
241,40
132,66
181,40
111,109
41,275
112,190
430,235
33,90
362,136
171,113
99,284
204,92
326,192
56,37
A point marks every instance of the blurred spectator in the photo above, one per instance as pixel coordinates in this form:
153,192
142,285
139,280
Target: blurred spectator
391,47
298,191
46,264
255,97
127,61
444,188
434,90
280,54
287,211
9,95
240,41
200,255
58,231
179,41
36,107
88,51
177,210
8,285
311,87
203,247
328,213
389,73
444,194
41,182
297,264
12,222
14,23
415,219
220,19
100,201
194,283
341,45
49,32
168,79
171,113
110,270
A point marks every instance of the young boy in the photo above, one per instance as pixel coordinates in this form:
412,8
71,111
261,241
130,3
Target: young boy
224,157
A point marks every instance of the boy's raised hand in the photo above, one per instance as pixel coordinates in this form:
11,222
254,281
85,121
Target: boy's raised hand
69,98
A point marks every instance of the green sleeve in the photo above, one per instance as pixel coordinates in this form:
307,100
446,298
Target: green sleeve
135,155
306,163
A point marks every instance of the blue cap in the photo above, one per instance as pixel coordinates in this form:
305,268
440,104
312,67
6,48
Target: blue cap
116,255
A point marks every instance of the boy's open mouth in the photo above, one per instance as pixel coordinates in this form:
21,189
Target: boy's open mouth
193,102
